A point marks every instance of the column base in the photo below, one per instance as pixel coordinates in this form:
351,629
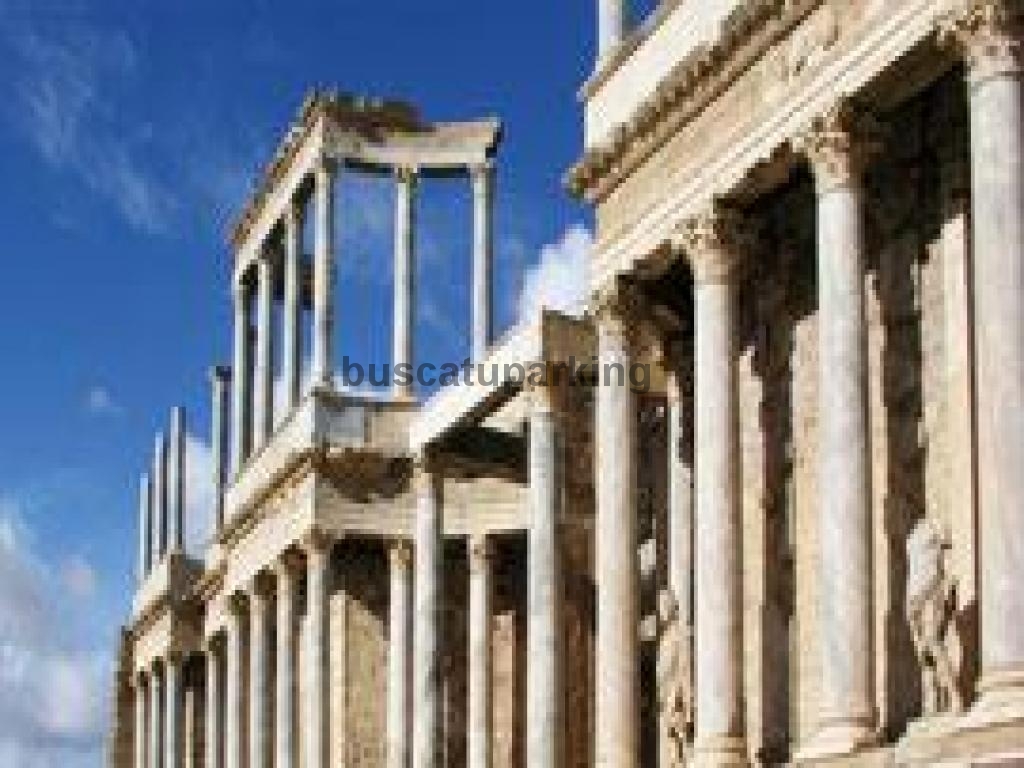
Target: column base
720,752
837,740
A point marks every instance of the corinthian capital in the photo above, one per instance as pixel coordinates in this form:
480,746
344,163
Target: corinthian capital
838,144
988,34
714,241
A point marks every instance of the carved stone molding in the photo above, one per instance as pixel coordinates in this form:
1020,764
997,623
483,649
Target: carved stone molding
714,242
400,554
839,144
988,34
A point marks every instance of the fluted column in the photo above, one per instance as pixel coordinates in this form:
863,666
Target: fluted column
234,709
140,722
286,747
427,684
240,406
160,497
259,678
617,667
479,710
405,273
612,16
145,527
483,246
172,712
323,276
399,655
214,715
292,343
156,706
710,243
990,36
837,147
220,381
176,480
680,514
316,723
264,376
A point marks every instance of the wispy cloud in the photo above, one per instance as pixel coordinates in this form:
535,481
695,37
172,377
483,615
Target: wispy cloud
560,280
100,402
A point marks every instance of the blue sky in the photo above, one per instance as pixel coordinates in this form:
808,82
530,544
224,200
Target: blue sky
129,134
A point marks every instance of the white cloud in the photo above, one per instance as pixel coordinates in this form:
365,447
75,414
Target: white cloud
99,402
561,278
53,682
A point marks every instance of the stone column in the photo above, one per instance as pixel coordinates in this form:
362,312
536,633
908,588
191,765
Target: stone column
234,710
156,756
160,497
837,148
286,747
545,698
140,721
145,527
292,349
176,480
612,16
316,720
990,35
483,245
680,512
616,567
710,243
405,273
259,678
214,732
240,413
428,729
220,381
479,710
264,377
172,712
323,276
399,655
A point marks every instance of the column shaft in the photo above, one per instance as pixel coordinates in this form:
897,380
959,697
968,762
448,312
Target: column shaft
545,720
399,656
680,510
479,715
428,730
145,527
316,723
234,710
611,26
140,722
483,244
172,713
323,277
292,350
240,408
287,630
214,715
259,693
156,756
176,480
616,553
404,275
220,380
160,497
264,350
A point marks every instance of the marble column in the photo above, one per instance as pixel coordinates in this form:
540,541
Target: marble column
214,715
612,16
483,245
428,728
160,497
616,566
220,381
285,728
545,698
264,377
399,655
234,709
192,724
323,276
145,527
990,36
292,342
140,721
172,712
240,406
680,511
316,720
837,147
404,275
719,739
479,709
176,480
156,756
259,683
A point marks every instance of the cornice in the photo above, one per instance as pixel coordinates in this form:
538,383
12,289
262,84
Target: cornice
747,33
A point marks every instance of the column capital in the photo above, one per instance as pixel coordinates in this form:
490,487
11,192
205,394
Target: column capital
839,143
988,34
237,603
714,241
407,174
480,173
325,166
316,541
220,374
481,553
400,554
